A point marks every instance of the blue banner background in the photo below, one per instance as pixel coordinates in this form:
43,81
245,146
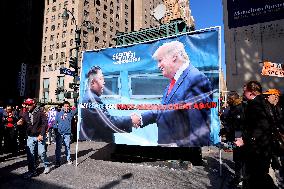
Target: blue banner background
202,49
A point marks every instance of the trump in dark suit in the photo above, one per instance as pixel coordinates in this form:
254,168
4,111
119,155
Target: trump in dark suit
183,127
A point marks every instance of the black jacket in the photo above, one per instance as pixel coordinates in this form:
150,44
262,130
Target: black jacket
97,123
36,122
258,126
233,121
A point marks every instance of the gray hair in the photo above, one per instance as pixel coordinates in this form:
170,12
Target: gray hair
173,47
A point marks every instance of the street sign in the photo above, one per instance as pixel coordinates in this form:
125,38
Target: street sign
67,71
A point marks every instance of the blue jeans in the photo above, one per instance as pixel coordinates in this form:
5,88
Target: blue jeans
32,144
66,139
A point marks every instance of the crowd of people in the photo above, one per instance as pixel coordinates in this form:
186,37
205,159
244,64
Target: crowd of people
254,124
32,127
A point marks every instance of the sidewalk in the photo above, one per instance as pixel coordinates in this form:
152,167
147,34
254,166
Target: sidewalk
92,172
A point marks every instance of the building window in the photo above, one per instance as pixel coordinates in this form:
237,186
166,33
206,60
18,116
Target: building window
53,18
44,49
111,20
63,44
64,23
117,16
86,13
44,59
126,22
57,45
54,1
51,47
85,33
97,30
58,25
62,65
60,84
56,55
46,28
63,34
51,57
104,25
65,4
126,7
56,66
45,90
97,39
105,7
47,10
111,28
104,16
86,2
53,8
111,4
72,21
52,27
104,43
62,54
85,44
51,37
50,67
126,14
117,24
46,20
98,13
104,33
73,1
97,20
98,2
71,31
71,42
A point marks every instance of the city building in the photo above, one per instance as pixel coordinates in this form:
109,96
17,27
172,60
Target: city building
107,18
254,33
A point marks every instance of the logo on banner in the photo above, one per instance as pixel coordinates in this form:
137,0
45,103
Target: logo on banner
125,57
273,69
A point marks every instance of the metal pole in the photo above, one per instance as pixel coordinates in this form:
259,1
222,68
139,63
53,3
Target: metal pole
77,41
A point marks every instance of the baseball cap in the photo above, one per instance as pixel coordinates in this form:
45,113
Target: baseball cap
272,92
29,101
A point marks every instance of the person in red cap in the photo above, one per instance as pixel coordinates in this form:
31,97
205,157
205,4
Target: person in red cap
36,121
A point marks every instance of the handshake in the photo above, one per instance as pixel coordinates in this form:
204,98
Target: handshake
136,120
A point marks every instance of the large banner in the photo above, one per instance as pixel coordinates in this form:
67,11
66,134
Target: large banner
248,12
163,92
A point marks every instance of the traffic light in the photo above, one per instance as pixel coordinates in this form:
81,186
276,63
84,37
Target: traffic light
73,62
68,95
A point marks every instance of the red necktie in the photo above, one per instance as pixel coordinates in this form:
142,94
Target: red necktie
171,85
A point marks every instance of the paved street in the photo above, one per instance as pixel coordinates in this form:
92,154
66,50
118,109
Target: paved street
93,172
